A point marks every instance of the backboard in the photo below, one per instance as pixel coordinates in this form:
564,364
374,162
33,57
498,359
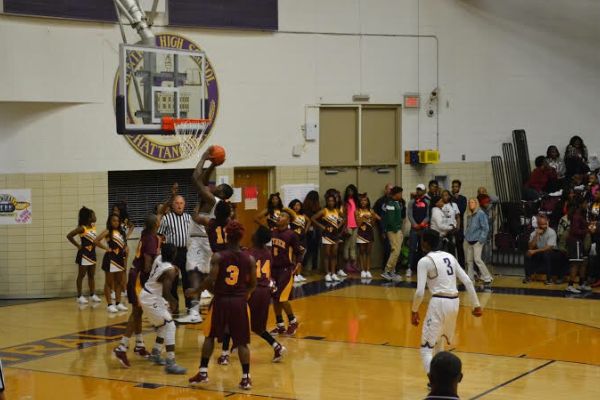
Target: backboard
159,82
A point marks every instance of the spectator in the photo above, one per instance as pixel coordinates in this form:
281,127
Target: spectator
395,212
476,232
541,253
441,224
575,246
488,204
593,186
174,226
418,216
313,236
434,189
461,202
350,205
445,373
380,210
543,179
576,157
452,215
555,161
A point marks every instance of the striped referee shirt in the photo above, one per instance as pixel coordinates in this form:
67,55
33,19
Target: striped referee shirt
175,228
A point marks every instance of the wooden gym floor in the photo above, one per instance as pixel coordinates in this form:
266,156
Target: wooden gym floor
355,342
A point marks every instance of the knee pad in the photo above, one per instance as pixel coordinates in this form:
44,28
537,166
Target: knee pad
169,333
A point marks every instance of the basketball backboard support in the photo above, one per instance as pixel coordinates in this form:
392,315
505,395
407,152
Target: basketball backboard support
158,82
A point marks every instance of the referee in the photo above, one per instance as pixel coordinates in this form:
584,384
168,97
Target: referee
174,226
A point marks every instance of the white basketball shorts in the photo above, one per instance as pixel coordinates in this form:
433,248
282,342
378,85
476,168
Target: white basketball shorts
440,321
198,255
155,309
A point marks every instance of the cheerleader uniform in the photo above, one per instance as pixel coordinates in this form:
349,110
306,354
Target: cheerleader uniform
332,221
365,230
86,256
299,227
273,219
114,261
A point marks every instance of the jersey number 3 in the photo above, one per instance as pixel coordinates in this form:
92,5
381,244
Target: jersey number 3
233,273
449,266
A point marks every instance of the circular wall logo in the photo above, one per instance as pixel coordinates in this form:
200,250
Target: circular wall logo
165,148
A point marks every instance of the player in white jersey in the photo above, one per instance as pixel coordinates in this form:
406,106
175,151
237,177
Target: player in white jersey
439,270
156,299
199,252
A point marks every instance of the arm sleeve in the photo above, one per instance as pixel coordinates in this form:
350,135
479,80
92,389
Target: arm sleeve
421,282
464,278
409,212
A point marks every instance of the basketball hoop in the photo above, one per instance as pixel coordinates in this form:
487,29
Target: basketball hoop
188,132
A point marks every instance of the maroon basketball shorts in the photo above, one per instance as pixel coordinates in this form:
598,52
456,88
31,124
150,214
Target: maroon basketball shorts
230,315
259,308
284,280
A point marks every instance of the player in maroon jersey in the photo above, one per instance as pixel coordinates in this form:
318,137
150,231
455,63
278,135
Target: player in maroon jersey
260,300
147,250
215,227
287,257
232,279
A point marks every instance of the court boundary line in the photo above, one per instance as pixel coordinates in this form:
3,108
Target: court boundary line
484,308
193,388
516,378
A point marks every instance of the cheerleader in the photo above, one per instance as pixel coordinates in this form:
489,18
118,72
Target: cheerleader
365,216
331,222
271,213
113,263
86,252
300,226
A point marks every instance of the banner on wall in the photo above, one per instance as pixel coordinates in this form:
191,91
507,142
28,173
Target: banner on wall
15,206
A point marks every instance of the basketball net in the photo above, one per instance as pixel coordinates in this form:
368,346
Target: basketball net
190,135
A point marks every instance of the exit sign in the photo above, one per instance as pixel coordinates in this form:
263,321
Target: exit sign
412,101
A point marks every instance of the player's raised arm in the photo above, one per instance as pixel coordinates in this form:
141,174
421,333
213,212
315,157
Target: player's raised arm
199,218
464,278
200,178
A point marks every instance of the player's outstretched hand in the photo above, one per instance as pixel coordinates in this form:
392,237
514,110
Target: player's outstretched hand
477,312
414,318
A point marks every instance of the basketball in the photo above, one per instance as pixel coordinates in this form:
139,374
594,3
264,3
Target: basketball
217,154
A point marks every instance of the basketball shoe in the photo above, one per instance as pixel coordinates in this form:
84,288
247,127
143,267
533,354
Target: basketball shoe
122,357
246,383
198,379
279,352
